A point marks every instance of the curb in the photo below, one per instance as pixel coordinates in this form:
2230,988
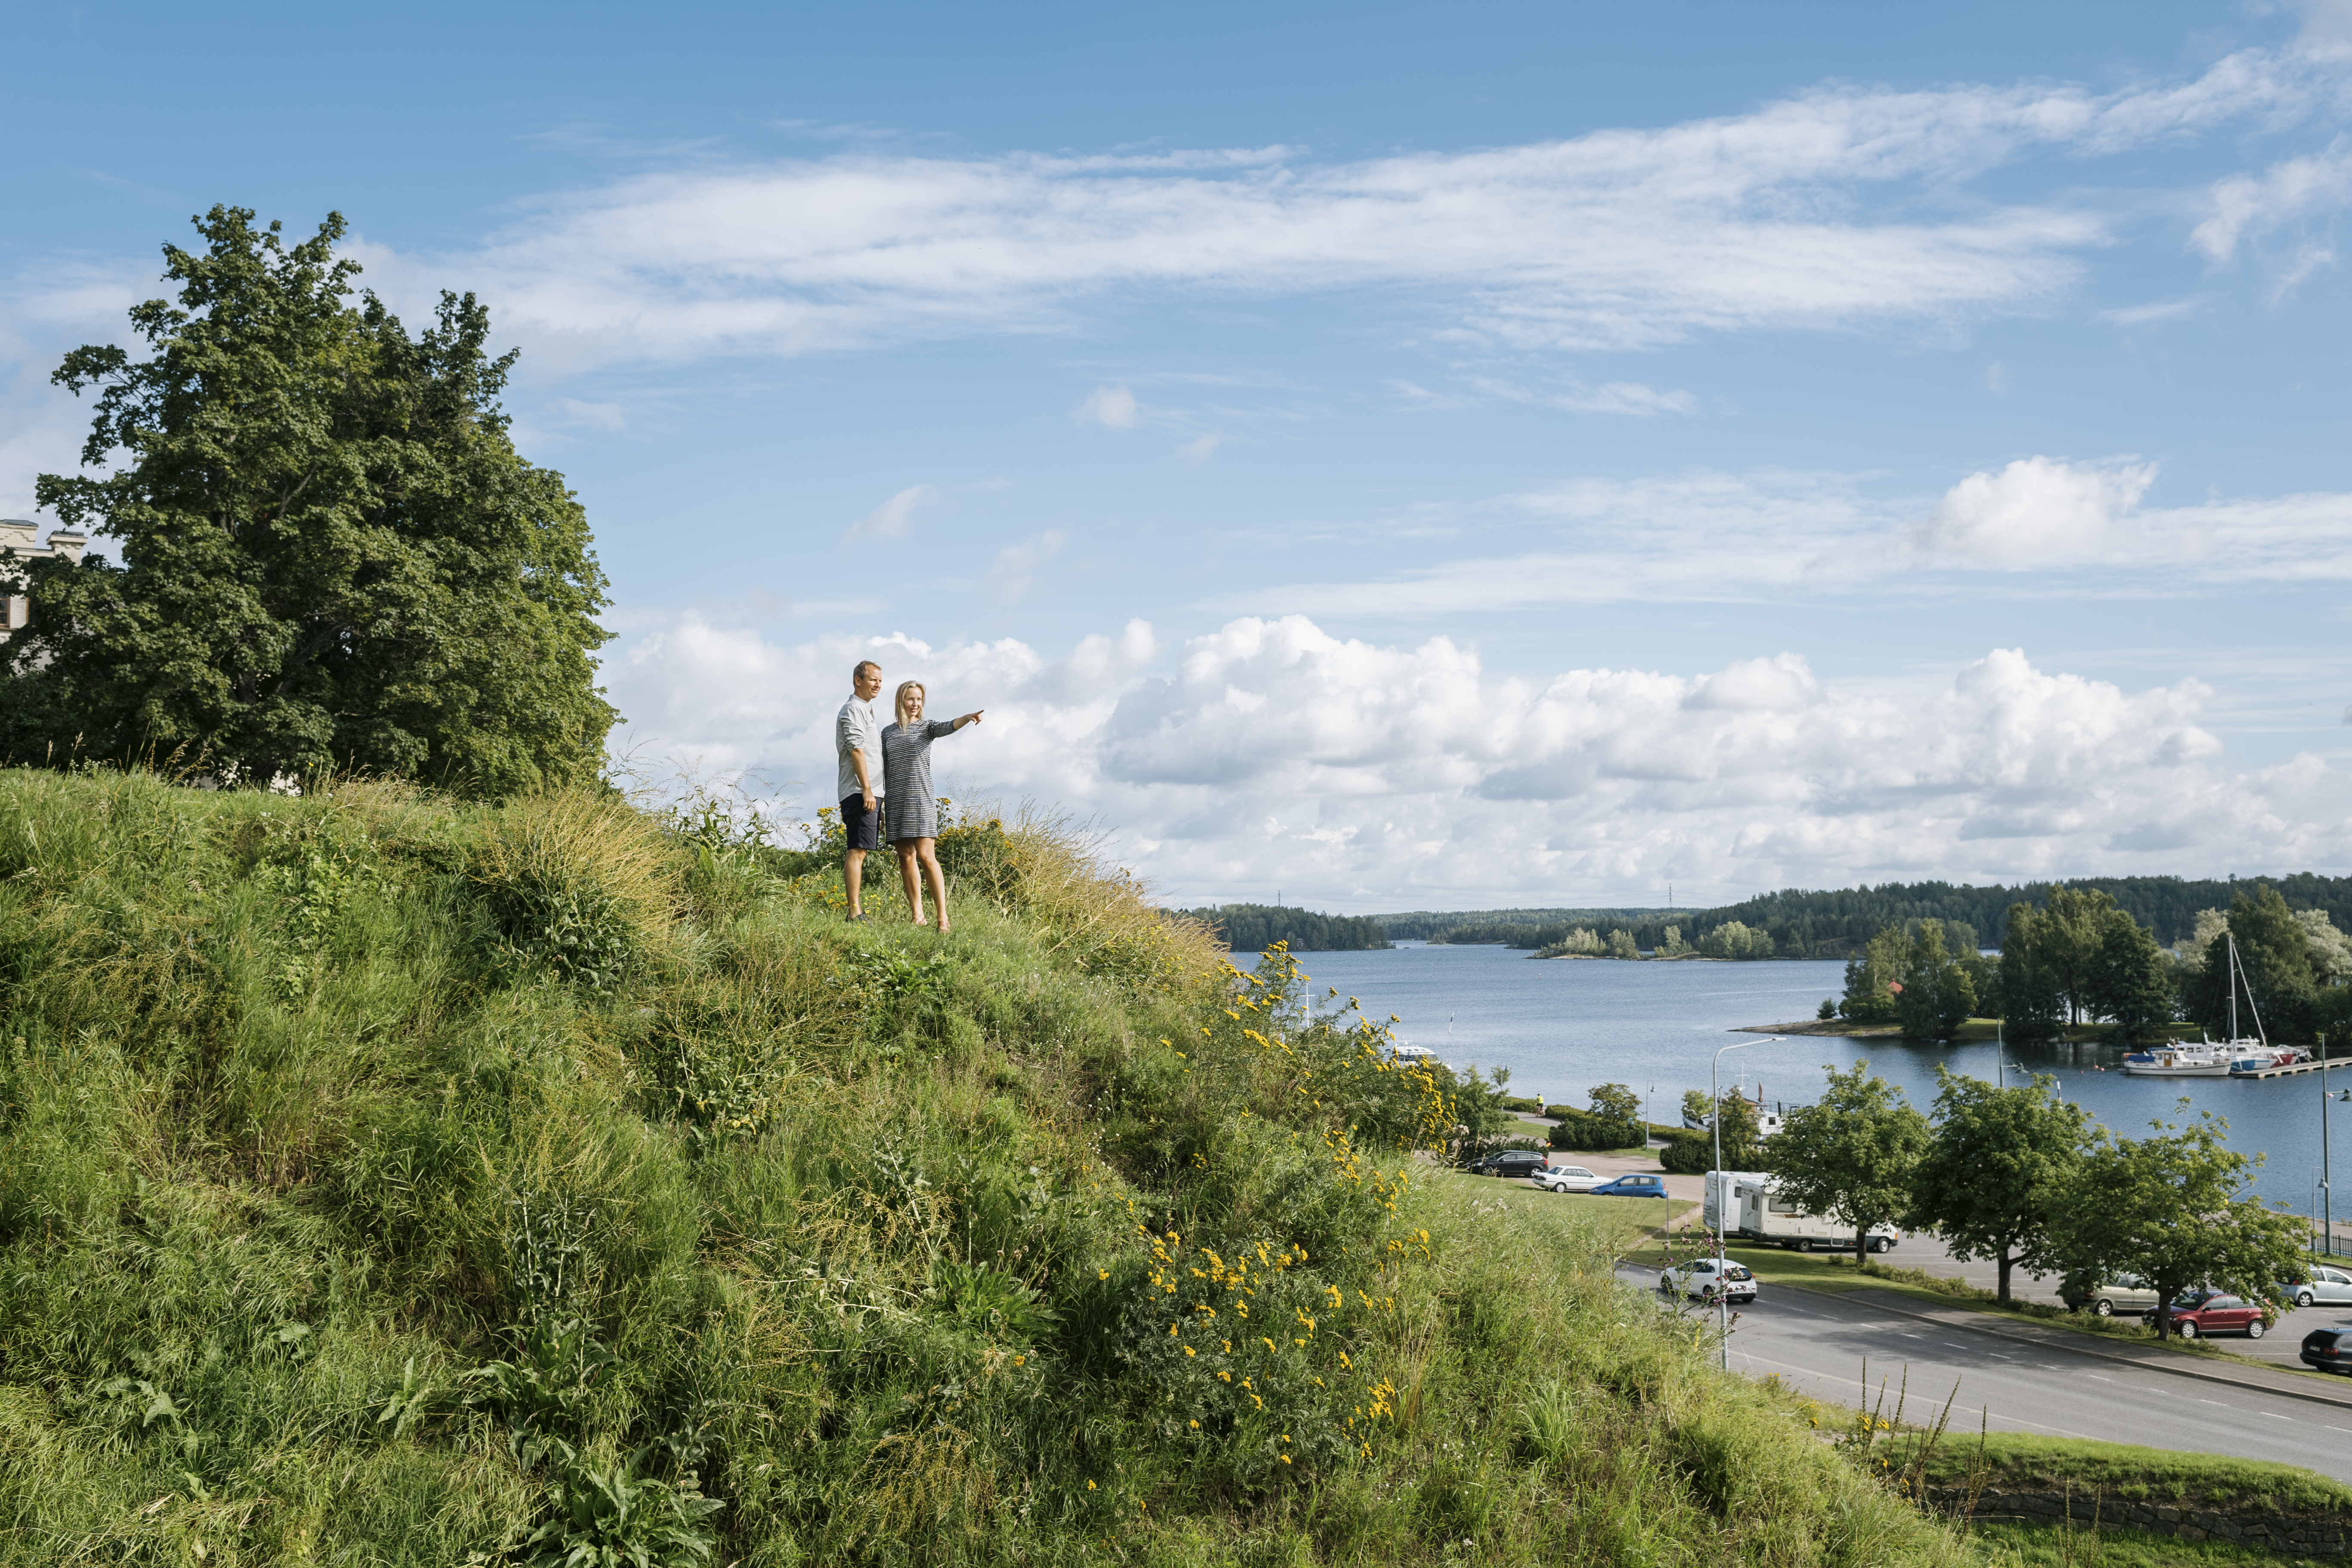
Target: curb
2231,1378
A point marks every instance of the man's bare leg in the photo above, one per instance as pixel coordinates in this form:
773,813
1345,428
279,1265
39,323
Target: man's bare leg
852,878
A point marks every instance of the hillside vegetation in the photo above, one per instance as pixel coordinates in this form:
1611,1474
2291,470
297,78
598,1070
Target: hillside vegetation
389,1181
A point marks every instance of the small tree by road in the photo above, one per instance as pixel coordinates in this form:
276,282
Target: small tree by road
1999,1170
1616,1102
2174,1209
1852,1155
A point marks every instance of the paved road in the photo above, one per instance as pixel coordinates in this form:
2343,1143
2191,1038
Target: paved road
1818,1344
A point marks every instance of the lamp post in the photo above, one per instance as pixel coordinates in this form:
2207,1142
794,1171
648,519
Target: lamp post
1723,1296
2326,1174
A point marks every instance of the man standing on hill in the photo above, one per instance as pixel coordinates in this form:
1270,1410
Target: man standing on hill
857,746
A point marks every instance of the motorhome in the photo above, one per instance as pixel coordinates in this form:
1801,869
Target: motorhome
1747,1204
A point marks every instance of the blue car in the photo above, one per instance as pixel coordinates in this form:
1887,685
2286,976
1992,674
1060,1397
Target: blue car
1633,1187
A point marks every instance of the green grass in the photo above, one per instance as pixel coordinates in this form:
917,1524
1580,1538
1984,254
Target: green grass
390,1182
2139,1474
2015,1545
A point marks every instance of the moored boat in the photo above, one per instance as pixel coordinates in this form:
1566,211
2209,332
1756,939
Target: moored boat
2203,1059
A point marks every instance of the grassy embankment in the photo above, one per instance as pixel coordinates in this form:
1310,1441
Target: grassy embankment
386,1182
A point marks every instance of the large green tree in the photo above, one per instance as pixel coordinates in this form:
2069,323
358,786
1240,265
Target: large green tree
1999,1168
1938,993
2178,1210
331,556
1852,1154
2274,953
2131,981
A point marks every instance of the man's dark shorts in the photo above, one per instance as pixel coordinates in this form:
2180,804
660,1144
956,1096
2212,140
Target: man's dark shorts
862,825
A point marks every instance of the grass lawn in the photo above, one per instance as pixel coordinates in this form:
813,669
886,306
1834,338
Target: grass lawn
2048,1546
1631,1222
2138,1474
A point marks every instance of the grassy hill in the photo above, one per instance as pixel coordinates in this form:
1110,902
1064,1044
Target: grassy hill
384,1181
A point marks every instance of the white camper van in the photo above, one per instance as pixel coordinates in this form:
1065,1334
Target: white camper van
1744,1203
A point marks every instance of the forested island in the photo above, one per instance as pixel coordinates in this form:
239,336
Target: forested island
1254,928
1839,923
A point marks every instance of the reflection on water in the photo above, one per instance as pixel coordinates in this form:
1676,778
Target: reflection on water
1562,1026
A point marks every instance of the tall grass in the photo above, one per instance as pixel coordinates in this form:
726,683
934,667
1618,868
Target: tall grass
389,1181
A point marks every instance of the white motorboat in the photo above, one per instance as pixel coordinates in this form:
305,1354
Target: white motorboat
2203,1059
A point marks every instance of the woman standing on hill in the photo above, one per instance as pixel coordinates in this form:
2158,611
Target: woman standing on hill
914,816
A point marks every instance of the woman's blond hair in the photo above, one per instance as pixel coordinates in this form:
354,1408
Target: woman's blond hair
899,701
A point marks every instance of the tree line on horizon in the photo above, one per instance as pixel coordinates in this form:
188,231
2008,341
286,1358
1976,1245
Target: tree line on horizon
1254,928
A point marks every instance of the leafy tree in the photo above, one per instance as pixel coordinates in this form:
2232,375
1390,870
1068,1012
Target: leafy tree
2177,1210
1616,1102
1870,976
331,555
2275,950
2131,981
1480,1103
2033,999
1741,1136
1828,1010
1734,939
1998,1169
1938,993
1621,944
1852,1153
1694,1105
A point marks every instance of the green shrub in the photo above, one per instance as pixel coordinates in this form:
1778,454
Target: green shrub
1578,1129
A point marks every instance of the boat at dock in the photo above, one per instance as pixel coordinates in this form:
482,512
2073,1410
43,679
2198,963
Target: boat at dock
2202,1059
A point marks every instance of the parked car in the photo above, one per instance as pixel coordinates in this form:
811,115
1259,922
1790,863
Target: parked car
1633,1187
1699,1280
2319,1286
1567,1179
1507,1162
2124,1293
2211,1312
2329,1350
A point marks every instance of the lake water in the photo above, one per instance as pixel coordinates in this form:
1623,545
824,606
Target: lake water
1562,1026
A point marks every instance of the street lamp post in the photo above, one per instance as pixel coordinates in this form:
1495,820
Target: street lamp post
1723,1296
2326,1176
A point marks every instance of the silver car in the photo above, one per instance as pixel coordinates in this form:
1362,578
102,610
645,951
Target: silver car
2125,1293
2320,1286
1566,1178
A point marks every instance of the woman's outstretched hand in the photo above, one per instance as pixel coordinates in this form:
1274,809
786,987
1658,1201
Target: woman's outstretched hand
970,718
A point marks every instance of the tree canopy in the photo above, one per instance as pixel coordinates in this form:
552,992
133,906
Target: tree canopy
2176,1210
1851,1154
1254,928
1999,1170
331,556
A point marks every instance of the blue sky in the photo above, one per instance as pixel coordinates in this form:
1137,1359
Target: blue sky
1400,457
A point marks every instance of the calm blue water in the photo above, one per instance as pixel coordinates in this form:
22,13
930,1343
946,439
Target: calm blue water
1561,1027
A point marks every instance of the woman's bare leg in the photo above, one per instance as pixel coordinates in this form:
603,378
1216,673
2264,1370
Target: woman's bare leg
927,852
907,848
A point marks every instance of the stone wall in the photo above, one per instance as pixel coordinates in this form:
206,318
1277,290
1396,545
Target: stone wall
2302,1535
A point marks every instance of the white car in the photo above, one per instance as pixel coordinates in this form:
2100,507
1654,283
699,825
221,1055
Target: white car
1565,1178
2320,1286
1698,1280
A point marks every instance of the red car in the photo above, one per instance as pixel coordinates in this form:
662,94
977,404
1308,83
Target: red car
2211,1312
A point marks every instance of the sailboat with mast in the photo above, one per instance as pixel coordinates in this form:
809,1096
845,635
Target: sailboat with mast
2218,1058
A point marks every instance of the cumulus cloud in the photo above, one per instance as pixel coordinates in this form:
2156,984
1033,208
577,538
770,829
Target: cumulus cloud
1112,407
1617,239
1269,753
1199,450
2035,511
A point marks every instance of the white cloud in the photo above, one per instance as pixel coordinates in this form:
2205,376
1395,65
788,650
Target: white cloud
2035,511
1112,407
1016,565
1392,776
1620,238
2248,207
893,517
1199,450
1743,538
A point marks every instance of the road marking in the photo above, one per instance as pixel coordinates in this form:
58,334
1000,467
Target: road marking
1867,1389
1910,1336
2273,1415
2217,1403
1949,1345
2096,1375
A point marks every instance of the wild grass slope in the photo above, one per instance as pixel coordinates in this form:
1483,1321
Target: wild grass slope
388,1182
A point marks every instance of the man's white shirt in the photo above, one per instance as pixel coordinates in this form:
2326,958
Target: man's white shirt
858,728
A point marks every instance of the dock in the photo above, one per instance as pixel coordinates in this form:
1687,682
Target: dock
2296,1067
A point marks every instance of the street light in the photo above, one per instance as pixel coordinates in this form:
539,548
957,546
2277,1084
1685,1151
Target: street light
1722,1296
